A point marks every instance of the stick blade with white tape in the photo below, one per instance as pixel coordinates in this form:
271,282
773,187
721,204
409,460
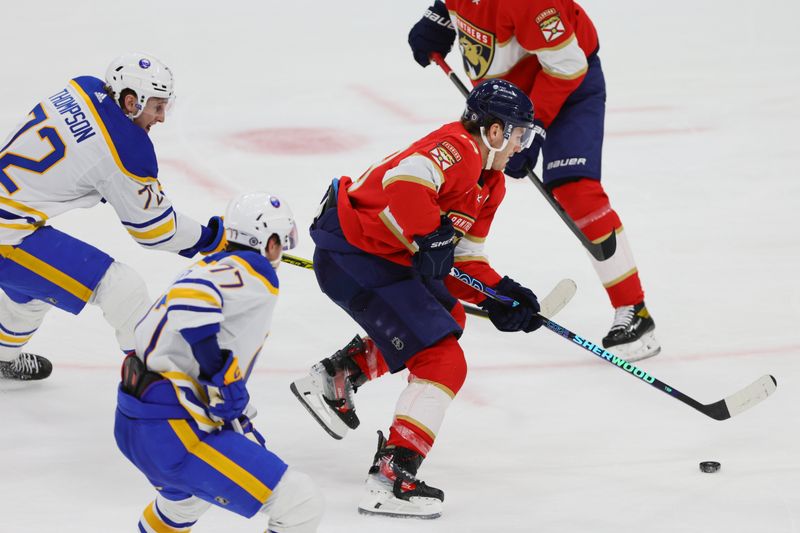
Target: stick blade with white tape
740,401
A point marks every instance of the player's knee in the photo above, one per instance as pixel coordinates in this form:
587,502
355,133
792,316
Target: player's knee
442,363
296,504
122,295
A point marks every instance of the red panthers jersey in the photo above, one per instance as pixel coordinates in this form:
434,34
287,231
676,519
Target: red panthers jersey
539,45
404,196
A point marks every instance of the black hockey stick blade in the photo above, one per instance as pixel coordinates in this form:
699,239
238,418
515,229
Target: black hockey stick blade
599,250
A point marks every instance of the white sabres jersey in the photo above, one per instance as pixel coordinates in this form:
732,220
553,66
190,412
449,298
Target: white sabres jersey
237,290
77,148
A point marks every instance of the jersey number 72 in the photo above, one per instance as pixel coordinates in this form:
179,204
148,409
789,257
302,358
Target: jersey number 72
10,159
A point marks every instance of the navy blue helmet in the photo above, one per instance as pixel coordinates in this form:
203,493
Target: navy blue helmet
502,100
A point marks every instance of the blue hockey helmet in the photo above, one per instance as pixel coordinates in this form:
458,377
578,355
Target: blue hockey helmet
500,100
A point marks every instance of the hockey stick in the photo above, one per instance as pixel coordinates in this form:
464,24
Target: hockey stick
723,409
600,250
551,304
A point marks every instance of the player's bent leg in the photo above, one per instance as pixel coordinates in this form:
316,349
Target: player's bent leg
632,332
392,487
172,512
296,504
327,392
18,323
122,296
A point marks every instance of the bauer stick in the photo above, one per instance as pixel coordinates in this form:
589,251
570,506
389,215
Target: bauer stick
600,251
550,305
723,409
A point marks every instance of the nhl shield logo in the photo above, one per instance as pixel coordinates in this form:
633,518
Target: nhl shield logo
477,49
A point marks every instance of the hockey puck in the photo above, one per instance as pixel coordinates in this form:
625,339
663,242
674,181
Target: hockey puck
709,467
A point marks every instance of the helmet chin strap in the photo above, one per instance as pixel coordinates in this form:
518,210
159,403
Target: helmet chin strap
492,151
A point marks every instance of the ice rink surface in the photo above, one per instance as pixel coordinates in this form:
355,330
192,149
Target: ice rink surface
701,162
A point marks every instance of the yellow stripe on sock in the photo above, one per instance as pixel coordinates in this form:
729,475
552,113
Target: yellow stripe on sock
219,462
156,524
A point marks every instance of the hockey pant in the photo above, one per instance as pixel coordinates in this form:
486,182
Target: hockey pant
193,469
52,269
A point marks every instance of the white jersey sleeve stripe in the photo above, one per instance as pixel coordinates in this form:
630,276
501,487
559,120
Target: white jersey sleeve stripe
566,62
467,250
415,168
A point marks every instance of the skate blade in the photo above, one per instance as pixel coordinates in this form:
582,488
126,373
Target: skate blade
384,503
308,392
644,347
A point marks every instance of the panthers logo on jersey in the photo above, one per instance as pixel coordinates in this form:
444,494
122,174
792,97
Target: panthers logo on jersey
477,48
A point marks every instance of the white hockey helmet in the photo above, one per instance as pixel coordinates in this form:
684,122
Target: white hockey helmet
252,218
143,74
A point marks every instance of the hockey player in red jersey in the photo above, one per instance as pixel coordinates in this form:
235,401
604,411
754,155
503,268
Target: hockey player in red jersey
385,244
549,49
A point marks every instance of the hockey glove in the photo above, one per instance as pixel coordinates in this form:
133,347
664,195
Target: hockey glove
227,392
433,33
435,256
520,318
216,237
518,165
212,239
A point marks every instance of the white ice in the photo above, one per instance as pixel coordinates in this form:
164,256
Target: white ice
701,162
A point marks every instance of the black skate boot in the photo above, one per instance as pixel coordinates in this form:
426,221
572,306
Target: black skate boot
26,367
327,392
632,333
392,488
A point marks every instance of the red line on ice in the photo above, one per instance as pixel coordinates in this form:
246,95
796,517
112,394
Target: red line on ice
389,105
198,177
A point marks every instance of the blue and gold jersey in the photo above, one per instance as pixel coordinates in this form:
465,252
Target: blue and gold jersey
76,148
236,291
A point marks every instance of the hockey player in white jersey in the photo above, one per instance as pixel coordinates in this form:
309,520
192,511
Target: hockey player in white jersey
86,143
183,415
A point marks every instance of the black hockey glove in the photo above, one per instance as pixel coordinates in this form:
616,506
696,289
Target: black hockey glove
518,165
520,318
433,33
435,256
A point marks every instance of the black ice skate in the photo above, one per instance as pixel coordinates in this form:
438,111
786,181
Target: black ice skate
632,334
392,488
327,392
26,367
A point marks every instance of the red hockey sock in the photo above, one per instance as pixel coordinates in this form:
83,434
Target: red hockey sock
437,374
371,362
587,204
